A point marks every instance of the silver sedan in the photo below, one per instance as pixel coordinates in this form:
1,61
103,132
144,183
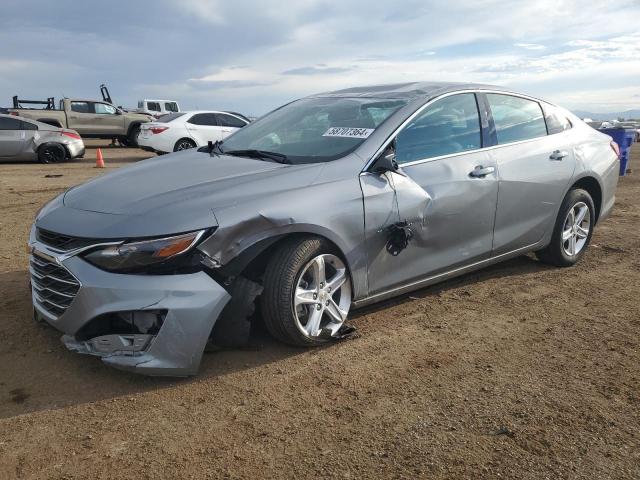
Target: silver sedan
25,139
329,203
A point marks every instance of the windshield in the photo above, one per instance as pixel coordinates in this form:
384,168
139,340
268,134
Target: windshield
314,130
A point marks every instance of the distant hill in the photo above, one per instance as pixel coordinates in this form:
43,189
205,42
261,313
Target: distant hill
608,116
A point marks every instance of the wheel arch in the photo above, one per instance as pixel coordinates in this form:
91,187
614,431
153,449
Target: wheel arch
184,137
593,187
67,155
252,261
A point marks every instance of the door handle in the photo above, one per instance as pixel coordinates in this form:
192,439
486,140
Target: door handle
558,155
481,172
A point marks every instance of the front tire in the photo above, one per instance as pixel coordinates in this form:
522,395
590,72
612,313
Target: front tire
572,231
307,292
132,137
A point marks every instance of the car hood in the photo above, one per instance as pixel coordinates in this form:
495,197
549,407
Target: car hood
178,192
186,180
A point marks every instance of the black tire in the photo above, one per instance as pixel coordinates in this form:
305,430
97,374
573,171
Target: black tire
132,137
52,153
280,280
184,144
554,253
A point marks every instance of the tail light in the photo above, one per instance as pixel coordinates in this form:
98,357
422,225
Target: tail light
615,148
156,130
69,134
14,113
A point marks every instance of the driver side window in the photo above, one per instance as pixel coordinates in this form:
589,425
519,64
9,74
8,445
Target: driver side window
450,125
104,109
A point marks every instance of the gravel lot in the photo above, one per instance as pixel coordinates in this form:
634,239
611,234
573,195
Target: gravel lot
517,371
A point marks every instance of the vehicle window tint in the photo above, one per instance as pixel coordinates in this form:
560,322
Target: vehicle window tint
230,121
104,109
28,126
80,107
516,118
203,119
171,106
9,123
169,117
450,125
153,106
556,121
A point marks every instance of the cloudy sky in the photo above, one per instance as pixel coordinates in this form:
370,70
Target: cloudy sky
252,56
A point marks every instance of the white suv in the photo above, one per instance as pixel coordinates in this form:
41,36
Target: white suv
157,108
184,130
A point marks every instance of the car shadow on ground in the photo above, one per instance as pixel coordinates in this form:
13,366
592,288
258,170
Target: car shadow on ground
38,373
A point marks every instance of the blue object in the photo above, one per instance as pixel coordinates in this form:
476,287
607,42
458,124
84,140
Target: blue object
624,138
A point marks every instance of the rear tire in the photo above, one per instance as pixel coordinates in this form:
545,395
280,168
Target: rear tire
184,144
572,231
299,305
52,153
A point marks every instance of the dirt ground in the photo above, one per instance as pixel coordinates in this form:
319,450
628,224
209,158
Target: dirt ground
517,371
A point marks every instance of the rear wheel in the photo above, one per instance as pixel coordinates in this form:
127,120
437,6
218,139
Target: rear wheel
572,232
51,153
184,144
307,292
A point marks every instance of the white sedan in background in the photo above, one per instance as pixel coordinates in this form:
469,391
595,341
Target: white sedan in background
184,130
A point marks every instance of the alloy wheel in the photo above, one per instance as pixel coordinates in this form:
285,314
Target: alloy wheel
323,296
575,231
184,145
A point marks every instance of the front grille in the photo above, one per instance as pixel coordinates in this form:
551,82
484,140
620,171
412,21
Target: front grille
54,288
60,241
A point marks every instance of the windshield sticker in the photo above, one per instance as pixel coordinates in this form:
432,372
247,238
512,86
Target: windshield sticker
348,132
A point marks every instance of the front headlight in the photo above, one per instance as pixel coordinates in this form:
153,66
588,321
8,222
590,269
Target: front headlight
134,255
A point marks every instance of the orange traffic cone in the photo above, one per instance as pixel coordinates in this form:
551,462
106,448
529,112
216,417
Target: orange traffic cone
99,159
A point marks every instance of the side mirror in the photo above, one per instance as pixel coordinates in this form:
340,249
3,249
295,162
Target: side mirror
386,162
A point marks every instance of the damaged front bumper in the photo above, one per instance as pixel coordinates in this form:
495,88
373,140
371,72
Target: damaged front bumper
72,295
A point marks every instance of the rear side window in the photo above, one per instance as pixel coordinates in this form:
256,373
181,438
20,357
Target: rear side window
80,107
9,124
516,118
169,117
204,119
153,106
171,106
557,122
28,126
448,126
230,121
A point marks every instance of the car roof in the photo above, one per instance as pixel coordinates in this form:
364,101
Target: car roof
210,111
410,90
41,125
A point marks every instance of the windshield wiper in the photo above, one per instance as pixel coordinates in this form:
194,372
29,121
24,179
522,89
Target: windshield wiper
276,157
